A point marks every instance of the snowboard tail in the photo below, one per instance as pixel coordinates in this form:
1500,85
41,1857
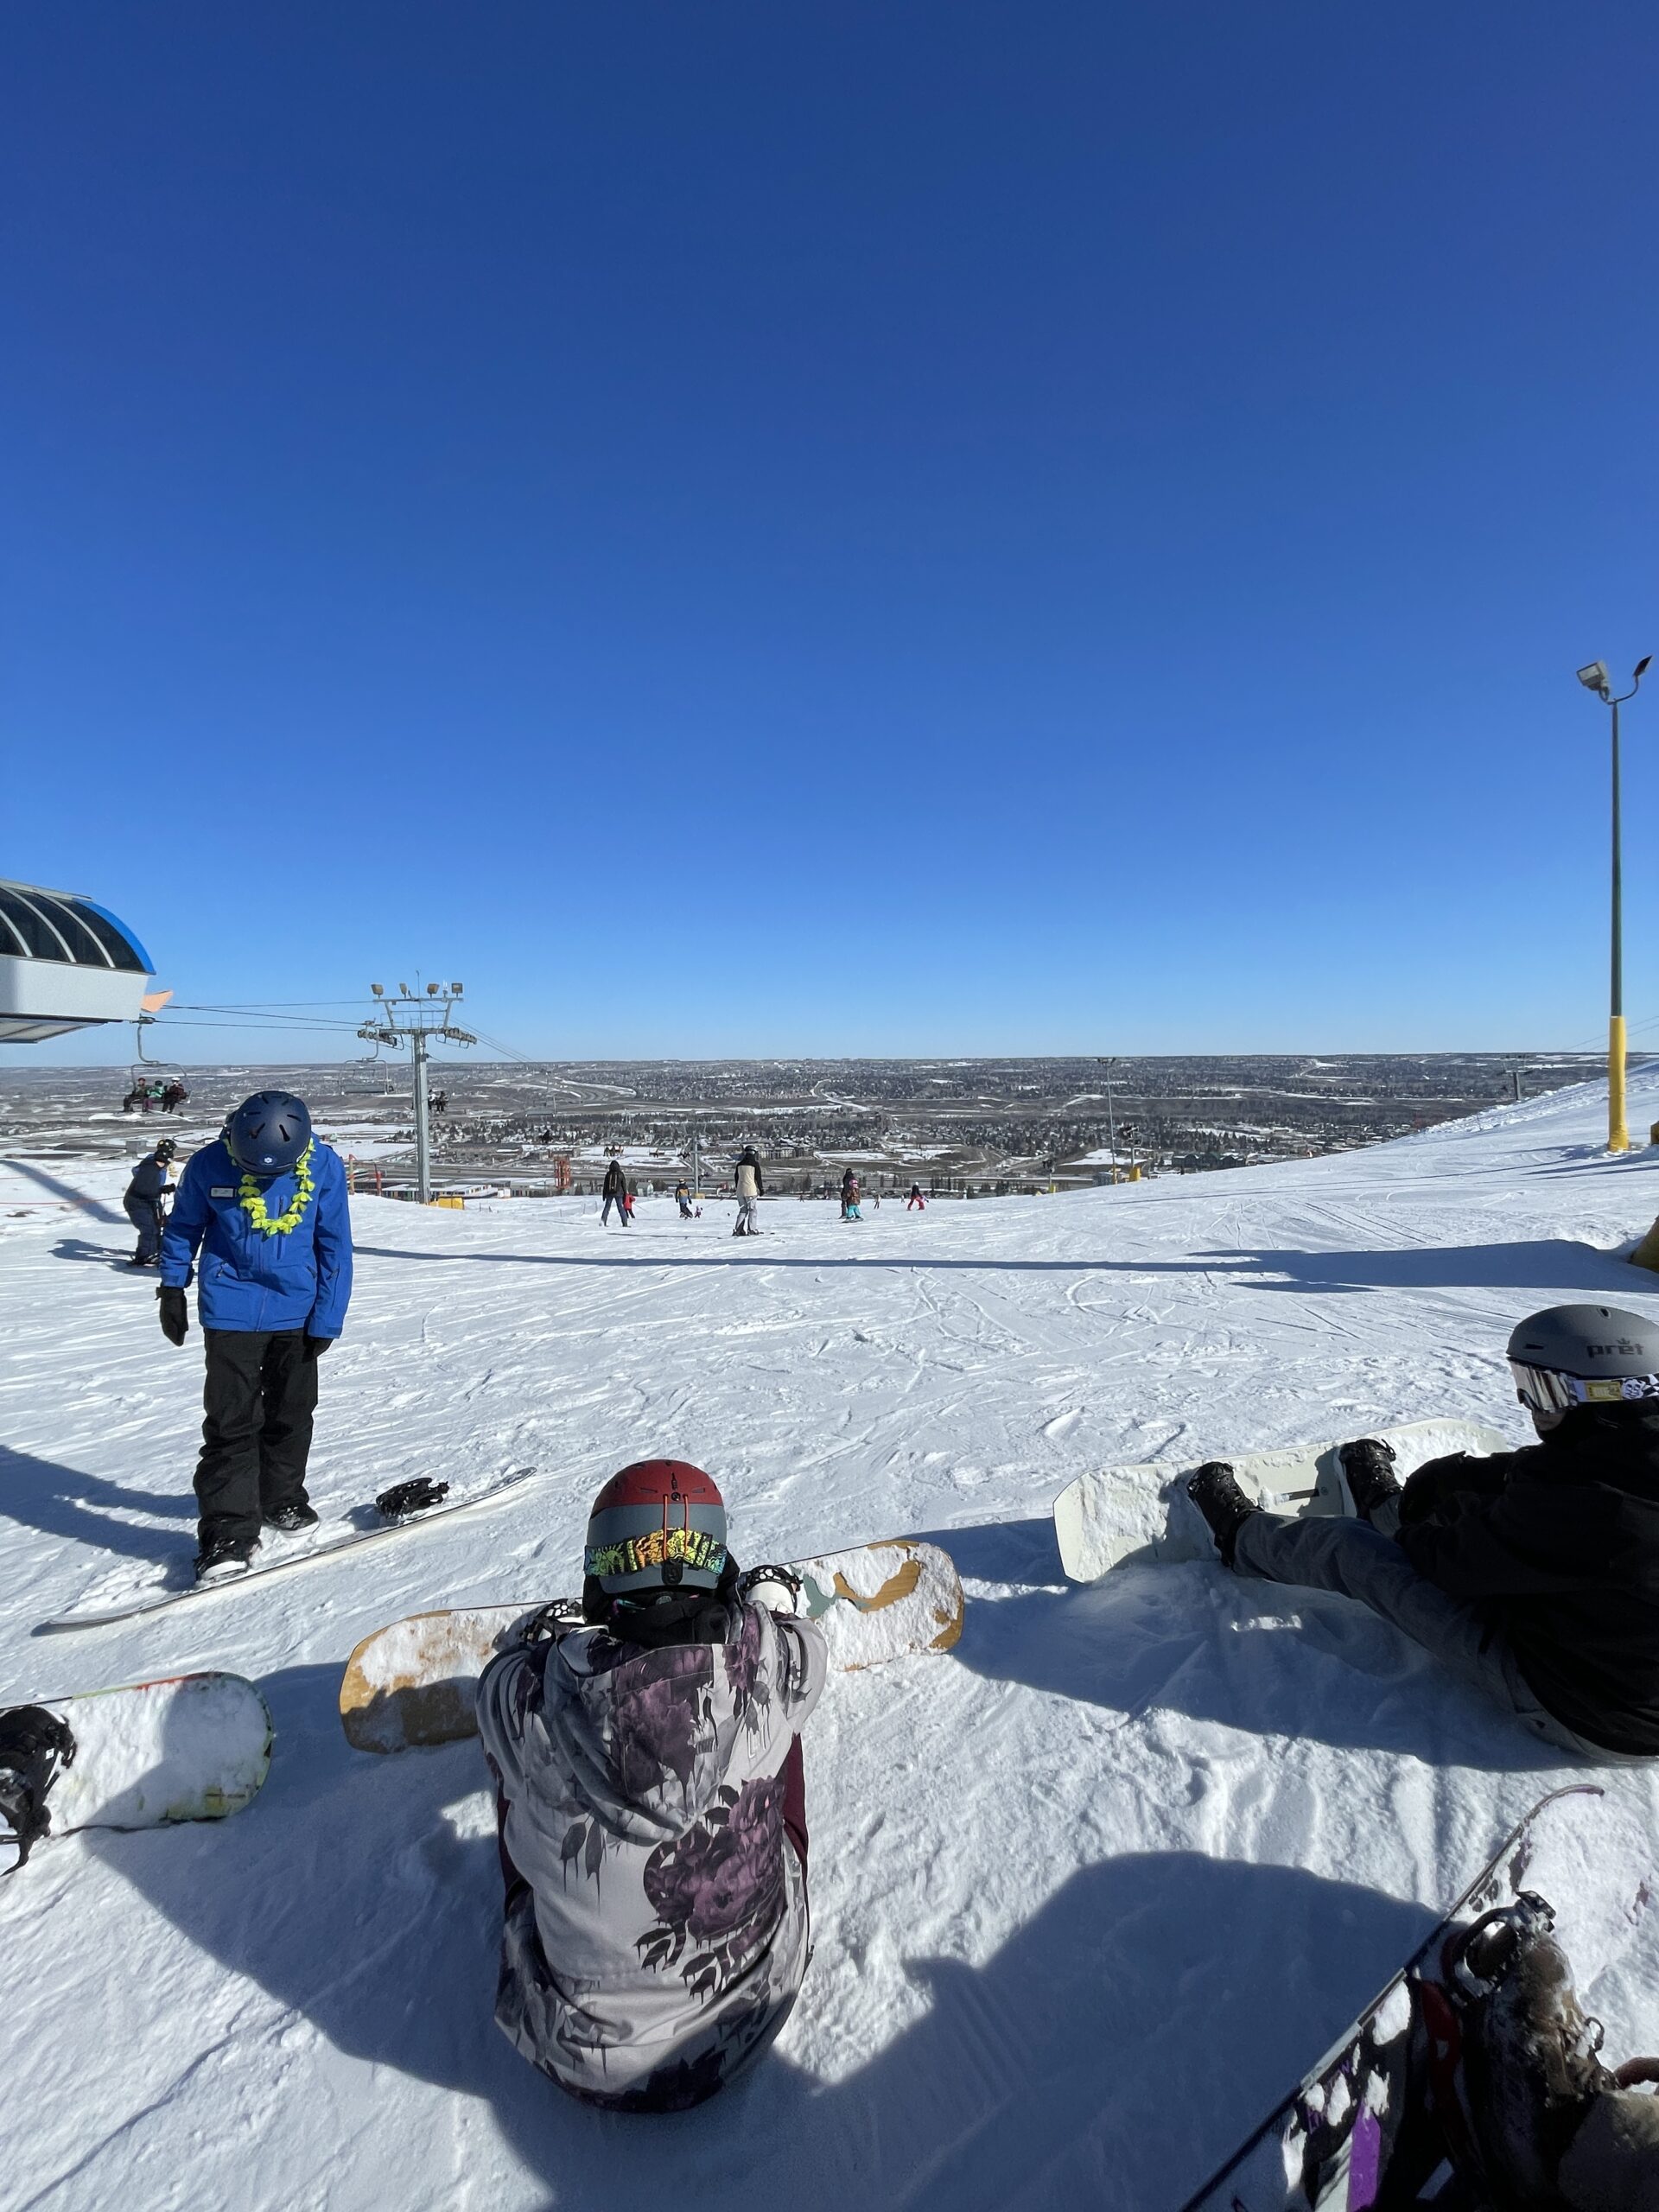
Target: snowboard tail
415,1682
189,1747
1140,1516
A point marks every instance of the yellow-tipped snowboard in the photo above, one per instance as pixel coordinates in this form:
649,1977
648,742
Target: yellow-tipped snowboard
415,1682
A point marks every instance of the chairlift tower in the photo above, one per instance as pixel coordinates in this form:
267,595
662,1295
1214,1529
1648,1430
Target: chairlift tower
414,1017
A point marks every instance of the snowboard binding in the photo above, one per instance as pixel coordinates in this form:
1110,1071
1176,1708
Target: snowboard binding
776,1588
550,1621
404,1500
35,1746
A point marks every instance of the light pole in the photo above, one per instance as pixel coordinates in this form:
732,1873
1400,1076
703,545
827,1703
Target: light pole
1111,1114
1595,678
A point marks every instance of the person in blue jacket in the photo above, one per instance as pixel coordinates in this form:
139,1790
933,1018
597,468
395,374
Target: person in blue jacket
265,1209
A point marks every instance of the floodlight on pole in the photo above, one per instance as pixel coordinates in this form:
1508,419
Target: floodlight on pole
1595,678
416,1030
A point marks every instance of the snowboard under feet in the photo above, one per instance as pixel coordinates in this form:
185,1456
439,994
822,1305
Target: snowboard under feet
277,1554
1141,1515
415,1682
191,1747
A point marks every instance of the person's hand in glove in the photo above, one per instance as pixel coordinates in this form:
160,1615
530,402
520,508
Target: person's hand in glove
776,1588
315,1346
175,1313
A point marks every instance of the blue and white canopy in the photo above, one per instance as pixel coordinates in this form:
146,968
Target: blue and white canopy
65,964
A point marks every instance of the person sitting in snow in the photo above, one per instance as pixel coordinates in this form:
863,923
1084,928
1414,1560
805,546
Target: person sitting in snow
647,1763
1533,1574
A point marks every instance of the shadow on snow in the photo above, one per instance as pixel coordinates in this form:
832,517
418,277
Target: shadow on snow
1111,2050
1546,1263
1267,1659
64,1501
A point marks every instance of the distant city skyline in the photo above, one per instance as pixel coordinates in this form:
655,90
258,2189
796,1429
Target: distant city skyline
783,532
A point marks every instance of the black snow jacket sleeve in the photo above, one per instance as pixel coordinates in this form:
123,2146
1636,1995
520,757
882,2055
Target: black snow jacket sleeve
1565,1553
1434,1485
148,1181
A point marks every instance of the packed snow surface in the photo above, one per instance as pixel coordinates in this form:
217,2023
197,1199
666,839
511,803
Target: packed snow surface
1088,1892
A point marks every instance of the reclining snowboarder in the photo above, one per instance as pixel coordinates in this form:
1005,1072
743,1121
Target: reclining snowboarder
1533,1574
651,1805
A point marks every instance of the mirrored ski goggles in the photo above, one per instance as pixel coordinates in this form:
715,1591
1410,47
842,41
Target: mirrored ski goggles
693,1547
1548,1391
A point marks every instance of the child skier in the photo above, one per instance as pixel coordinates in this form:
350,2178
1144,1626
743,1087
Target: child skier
915,1199
651,1806
1533,1574
683,1199
142,1202
265,1205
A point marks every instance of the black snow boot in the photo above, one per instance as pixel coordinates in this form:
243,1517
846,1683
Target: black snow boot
1369,1465
35,1746
1214,1490
290,1519
225,1556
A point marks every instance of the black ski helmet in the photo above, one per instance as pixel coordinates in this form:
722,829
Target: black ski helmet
267,1132
165,1150
1572,1356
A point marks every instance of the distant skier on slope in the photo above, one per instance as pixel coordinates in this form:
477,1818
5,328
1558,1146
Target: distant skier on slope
683,1199
265,1205
750,1192
142,1202
849,1197
1533,1574
651,1805
615,1191
915,1199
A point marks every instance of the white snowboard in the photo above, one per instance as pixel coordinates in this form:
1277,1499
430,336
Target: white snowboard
414,1682
119,1599
191,1747
1141,1515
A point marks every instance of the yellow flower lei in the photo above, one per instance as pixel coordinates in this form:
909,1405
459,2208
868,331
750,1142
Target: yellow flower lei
253,1203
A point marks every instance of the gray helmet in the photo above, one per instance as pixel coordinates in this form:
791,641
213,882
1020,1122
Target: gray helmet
1572,1356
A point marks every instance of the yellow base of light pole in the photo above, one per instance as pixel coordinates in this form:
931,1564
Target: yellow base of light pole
1618,1137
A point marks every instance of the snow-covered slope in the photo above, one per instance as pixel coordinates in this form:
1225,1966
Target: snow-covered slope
1086,1893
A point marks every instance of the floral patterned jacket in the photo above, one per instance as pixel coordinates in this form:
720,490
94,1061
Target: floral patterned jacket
663,1934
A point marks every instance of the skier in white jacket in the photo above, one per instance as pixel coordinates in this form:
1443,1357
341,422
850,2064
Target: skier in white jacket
651,1802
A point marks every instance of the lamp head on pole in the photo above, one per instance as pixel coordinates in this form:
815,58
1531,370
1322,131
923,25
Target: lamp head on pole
1595,678
1642,668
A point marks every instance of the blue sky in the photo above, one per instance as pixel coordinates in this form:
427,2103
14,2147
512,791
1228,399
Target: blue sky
838,528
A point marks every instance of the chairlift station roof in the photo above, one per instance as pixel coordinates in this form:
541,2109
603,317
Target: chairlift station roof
66,963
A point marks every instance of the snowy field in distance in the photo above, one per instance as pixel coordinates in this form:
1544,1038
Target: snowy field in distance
1087,1893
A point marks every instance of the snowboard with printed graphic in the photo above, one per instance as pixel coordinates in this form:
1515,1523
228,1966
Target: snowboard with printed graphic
1374,2126
415,1682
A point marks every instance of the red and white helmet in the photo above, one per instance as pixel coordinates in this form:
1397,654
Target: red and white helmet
658,1524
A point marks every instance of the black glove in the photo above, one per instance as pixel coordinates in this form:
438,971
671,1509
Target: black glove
175,1313
315,1346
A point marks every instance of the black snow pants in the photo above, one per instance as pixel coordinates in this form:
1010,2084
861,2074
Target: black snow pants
260,1395
146,1217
